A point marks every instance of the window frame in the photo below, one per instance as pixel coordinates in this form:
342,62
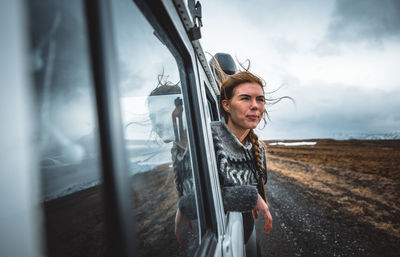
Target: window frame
117,203
20,216
159,18
212,100
211,110
164,19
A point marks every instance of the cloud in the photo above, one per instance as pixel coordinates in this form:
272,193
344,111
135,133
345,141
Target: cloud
142,57
325,110
369,20
342,57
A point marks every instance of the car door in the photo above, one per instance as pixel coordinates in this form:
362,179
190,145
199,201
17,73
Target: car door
113,152
166,131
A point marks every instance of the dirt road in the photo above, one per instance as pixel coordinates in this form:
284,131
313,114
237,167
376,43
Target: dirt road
302,227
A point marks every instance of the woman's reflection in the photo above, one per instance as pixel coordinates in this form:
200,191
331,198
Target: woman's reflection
170,127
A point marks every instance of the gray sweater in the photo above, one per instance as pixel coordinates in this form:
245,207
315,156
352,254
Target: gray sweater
236,162
237,174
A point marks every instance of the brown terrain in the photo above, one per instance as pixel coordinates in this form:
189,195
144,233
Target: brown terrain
156,201
355,182
336,198
75,223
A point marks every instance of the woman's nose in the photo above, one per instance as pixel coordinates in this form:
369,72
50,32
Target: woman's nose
253,104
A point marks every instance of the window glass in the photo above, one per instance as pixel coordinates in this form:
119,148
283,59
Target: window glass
212,112
67,129
156,136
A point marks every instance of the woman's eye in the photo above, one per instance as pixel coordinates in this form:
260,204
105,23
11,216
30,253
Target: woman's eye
260,100
245,98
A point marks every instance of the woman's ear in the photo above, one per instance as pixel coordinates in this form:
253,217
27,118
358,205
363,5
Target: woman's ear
225,105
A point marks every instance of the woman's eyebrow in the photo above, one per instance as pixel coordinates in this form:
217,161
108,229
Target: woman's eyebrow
244,95
250,95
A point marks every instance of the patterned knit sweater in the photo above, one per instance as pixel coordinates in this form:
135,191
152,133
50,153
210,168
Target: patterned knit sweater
236,162
238,175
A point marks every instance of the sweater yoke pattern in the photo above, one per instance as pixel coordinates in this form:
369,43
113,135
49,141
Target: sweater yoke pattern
236,161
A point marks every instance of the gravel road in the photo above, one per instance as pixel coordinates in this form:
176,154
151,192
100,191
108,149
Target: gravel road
301,227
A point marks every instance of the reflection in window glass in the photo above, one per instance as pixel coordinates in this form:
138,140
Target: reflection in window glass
67,130
156,136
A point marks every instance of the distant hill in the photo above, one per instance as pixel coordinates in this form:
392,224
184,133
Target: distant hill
368,136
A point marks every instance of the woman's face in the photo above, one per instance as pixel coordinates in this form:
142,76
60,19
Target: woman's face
246,107
160,112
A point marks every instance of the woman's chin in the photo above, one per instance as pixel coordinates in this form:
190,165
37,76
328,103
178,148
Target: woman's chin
252,124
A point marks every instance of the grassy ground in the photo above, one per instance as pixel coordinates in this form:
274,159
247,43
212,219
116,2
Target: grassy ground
356,178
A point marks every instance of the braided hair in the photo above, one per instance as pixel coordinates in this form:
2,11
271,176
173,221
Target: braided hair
258,155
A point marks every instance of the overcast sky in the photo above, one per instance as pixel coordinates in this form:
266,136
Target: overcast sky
338,59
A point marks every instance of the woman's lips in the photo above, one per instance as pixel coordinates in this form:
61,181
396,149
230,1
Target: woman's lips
252,117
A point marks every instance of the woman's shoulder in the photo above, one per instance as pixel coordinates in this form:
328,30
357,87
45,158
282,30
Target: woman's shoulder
219,133
222,134
218,127
225,143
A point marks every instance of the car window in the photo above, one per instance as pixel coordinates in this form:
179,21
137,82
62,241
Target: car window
156,135
67,131
212,105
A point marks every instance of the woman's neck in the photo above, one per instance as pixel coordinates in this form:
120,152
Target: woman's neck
240,133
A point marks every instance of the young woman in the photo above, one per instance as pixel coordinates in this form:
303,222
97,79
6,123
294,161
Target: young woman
240,155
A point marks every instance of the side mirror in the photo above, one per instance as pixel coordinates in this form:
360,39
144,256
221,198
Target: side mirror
226,63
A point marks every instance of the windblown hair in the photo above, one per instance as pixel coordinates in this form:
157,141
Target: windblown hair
227,84
165,87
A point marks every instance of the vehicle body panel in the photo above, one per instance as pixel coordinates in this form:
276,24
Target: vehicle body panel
27,197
